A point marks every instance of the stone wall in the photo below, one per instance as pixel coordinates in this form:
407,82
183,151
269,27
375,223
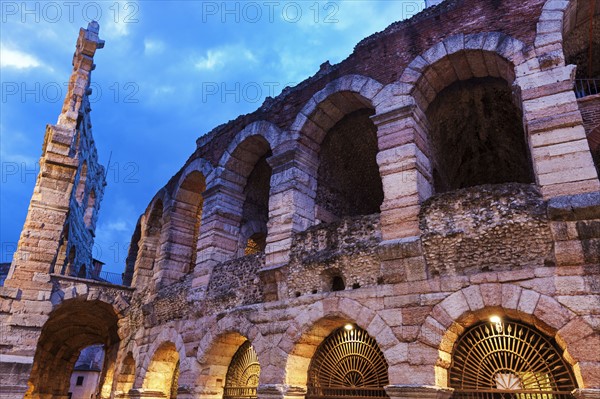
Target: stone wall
235,283
486,228
345,249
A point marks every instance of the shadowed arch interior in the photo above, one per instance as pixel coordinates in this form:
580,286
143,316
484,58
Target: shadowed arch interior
348,182
581,38
71,327
477,136
248,163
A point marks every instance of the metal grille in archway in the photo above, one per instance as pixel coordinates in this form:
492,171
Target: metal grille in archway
508,360
242,376
347,364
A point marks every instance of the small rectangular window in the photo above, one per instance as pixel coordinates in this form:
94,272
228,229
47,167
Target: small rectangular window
79,380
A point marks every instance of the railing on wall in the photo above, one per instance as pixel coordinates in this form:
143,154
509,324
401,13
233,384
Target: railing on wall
510,394
586,87
345,393
108,277
239,393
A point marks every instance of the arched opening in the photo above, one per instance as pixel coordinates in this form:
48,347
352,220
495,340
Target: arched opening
80,191
337,283
581,44
506,358
348,182
218,359
250,174
243,374
149,246
186,219
348,363
71,327
126,376
163,371
85,377
82,273
256,243
88,217
477,136
256,202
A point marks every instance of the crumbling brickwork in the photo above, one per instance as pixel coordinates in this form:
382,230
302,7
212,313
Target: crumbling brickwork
423,253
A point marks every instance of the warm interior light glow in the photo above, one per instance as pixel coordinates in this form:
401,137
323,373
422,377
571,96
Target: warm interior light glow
495,319
349,327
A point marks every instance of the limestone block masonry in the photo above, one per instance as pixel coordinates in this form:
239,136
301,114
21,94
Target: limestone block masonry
438,176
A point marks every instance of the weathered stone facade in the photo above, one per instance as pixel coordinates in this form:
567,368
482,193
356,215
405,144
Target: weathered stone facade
440,250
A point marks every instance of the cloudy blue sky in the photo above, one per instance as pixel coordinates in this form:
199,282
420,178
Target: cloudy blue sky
169,73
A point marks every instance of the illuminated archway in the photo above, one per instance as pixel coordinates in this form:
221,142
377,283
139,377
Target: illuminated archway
348,363
505,358
243,374
163,371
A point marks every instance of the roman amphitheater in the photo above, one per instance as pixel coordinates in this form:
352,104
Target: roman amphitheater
419,221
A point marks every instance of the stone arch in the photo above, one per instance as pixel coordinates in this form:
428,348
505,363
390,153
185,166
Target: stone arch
265,129
149,245
314,324
167,352
320,114
218,346
340,143
162,375
73,325
183,223
476,303
406,155
464,88
244,179
171,335
458,57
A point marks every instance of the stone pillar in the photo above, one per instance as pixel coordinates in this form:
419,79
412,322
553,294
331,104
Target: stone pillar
560,152
219,236
280,391
406,174
291,202
146,260
418,392
174,254
405,170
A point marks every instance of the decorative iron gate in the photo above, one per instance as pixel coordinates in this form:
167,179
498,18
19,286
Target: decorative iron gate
347,364
242,376
508,360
